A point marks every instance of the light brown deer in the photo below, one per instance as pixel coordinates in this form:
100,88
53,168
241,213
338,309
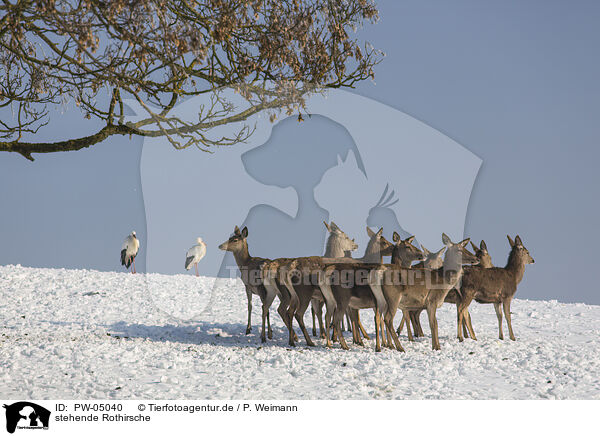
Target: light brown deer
432,260
338,245
347,281
496,285
249,267
415,289
455,297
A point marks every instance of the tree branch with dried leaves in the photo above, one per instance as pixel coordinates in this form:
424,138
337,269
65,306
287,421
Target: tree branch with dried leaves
99,54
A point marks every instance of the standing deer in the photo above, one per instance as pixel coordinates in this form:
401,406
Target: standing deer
432,260
249,267
356,293
415,289
295,297
496,285
338,245
455,297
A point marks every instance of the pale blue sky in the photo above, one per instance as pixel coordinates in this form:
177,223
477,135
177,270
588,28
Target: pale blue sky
514,82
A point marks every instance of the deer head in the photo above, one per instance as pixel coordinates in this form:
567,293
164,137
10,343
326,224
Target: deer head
338,243
457,254
519,250
237,242
377,247
433,260
404,252
485,260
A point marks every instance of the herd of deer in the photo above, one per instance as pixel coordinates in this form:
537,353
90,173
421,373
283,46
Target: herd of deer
345,285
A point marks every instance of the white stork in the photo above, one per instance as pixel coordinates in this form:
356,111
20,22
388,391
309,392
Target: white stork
195,255
129,250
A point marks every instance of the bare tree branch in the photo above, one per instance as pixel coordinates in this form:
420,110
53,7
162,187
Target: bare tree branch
96,53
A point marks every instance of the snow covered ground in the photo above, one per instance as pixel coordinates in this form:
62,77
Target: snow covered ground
78,334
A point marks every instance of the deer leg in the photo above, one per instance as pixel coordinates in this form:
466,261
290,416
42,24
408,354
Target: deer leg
405,316
417,320
133,270
433,325
389,321
299,315
389,335
283,313
330,303
499,315
360,326
401,326
319,311
382,328
460,321
377,343
249,296
469,325
338,317
356,327
506,307
266,304
314,328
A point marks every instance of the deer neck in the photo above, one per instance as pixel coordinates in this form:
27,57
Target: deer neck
453,265
397,260
516,265
333,248
372,253
242,256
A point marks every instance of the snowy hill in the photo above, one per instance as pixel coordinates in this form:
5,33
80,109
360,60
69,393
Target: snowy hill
78,334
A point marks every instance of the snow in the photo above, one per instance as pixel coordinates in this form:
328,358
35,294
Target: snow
80,334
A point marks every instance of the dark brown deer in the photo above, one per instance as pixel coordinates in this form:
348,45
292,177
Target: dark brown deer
496,285
417,289
249,267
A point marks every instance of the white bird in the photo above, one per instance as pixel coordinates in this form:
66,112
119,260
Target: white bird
129,250
195,255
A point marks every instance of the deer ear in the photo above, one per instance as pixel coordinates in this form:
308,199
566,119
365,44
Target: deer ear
245,232
482,246
236,230
395,237
474,247
370,232
334,226
510,241
327,226
410,239
518,240
446,239
441,251
425,251
380,232
464,242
